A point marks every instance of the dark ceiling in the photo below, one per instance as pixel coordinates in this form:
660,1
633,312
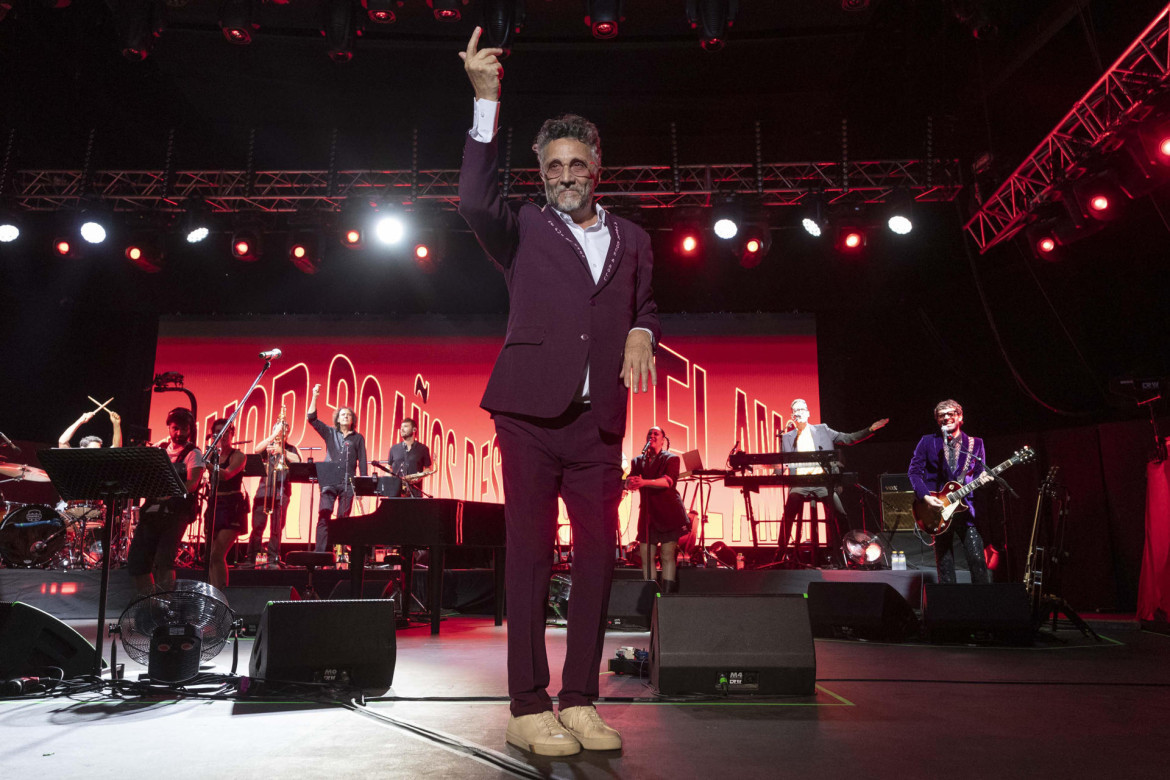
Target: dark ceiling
904,325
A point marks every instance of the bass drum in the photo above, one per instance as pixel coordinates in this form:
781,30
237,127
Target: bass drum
32,535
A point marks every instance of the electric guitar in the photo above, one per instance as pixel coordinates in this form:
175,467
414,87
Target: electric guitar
935,520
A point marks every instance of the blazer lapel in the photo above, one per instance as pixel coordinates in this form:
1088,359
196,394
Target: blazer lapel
563,231
614,256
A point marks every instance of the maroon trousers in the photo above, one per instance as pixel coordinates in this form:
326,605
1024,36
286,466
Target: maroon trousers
542,459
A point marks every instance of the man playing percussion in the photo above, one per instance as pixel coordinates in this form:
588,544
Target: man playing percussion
92,441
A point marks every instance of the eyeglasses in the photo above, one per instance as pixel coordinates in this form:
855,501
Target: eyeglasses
576,167
945,414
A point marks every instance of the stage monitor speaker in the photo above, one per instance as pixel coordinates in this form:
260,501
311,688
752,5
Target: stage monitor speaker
33,642
897,502
247,601
860,610
999,613
715,645
630,604
342,642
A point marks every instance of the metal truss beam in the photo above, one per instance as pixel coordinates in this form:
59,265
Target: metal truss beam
648,186
1111,104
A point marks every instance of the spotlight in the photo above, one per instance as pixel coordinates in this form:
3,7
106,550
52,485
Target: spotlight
246,243
340,29
900,219
390,229
421,252
689,244
603,17
237,21
686,235
501,20
725,219
304,251
754,245
1095,197
9,229
93,225
138,23
145,250
382,11
63,247
196,224
447,10
356,215
850,239
814,217
429,248
1044,238
712,19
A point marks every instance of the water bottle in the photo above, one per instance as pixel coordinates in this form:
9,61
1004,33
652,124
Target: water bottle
739,560
262,559
899,560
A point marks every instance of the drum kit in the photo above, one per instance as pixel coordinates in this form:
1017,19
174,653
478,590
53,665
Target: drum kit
67,536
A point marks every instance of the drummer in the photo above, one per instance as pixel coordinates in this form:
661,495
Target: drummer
92,441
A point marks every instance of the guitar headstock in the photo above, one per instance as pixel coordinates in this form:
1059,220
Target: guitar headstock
1024,455
1050,477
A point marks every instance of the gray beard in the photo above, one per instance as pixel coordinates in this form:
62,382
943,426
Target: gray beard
576,201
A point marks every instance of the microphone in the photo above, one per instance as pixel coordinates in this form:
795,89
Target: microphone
271,354
645,448
8,441
946,434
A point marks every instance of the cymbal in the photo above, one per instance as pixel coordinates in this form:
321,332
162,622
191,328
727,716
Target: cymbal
21,471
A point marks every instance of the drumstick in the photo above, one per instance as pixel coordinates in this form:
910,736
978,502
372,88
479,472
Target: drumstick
100,405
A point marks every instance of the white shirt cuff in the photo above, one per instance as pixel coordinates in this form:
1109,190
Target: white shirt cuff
487,113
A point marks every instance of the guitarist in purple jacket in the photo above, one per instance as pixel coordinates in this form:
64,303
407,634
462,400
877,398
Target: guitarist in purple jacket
582,328
945,457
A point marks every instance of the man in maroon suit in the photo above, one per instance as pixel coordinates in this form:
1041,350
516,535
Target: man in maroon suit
582,326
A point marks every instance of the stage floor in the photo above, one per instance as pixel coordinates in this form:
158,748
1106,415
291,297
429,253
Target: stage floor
881,710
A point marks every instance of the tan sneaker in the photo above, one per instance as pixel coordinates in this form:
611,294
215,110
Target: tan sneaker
542,734
590,730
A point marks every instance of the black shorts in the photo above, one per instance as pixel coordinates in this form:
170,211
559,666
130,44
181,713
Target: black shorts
231,514
156,539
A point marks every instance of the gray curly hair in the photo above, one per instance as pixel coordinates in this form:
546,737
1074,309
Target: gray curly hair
571,126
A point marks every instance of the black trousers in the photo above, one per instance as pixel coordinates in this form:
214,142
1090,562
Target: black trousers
795,503
343,498
944,553
260,522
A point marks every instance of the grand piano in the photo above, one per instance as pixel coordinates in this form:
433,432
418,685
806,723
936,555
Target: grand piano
430,523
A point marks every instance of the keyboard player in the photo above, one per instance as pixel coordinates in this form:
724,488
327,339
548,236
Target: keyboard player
803,437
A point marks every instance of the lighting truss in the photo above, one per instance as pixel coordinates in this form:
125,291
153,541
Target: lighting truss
1116,101
642,186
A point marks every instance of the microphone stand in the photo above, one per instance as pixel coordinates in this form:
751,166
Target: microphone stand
1003,483
213,479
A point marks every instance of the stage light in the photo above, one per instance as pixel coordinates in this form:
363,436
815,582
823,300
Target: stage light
900,213
382,11
711,19
246,243
237,21
196,223
9,228
725,228
851,239
93,229
138,23
1044,236
447,10
754,245
357,216
1046,244
340,30
814,215
304,251
421,252
145,250
689,244
603,17
725,218
501,20
390,229
1096,197
64,247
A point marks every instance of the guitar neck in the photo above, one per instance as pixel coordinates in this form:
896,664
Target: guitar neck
970,487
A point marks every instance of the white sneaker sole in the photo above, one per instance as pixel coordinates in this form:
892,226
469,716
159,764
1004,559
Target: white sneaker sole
597,743
557,749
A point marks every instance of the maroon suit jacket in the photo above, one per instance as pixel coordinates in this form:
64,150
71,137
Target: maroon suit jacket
559,320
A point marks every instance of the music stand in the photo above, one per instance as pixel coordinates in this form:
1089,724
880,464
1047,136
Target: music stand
111,475
306,473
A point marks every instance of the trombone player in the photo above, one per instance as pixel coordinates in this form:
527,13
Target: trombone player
273,493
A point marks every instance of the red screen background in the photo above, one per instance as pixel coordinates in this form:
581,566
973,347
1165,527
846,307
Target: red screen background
721,380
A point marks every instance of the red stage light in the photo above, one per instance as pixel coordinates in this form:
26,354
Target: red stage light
63,248
752,245
298,251
353,237
133,253
689,244
605,30
242,248
1164,147
1046,244
1099,203
852,240
422,252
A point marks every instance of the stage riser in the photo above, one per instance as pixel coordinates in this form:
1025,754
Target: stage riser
908,584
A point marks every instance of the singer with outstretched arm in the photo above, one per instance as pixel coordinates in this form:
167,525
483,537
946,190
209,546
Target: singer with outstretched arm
803,437
343,445
945,457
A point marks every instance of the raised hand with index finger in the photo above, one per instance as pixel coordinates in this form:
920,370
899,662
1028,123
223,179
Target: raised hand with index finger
483,67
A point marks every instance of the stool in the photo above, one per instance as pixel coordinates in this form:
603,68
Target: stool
310,560
814,509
